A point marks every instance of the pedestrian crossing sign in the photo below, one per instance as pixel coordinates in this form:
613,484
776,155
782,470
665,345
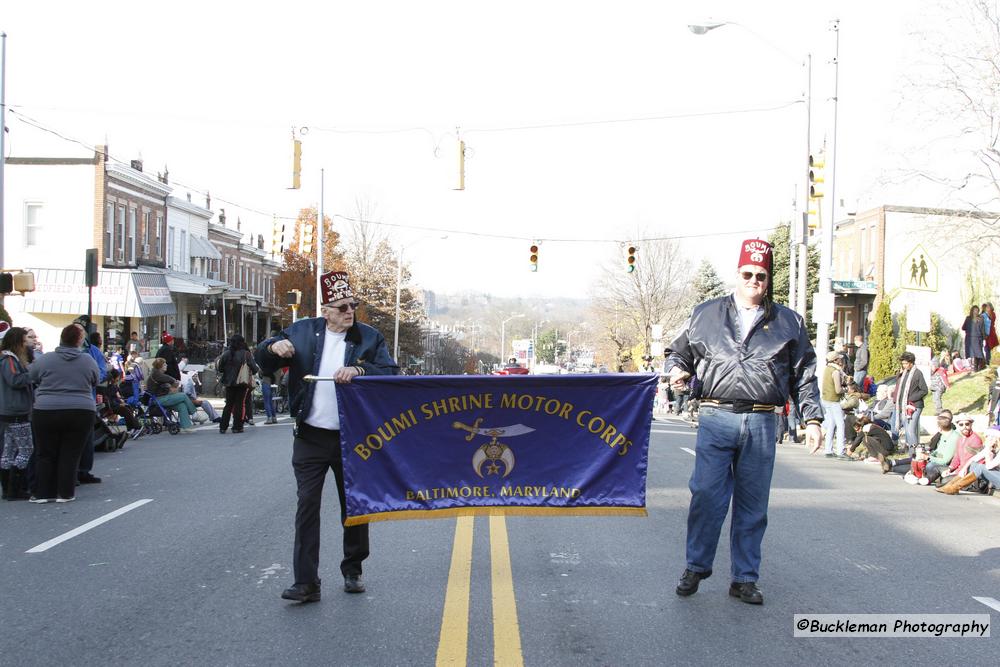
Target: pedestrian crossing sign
919,271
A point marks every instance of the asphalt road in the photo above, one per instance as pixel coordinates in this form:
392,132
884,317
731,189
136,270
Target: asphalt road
193,576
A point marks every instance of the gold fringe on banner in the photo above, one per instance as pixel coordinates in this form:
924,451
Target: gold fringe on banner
403,515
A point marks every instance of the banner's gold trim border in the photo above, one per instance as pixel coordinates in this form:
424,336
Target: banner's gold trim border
402,515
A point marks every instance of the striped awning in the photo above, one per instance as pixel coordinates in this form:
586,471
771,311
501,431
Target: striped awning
118,293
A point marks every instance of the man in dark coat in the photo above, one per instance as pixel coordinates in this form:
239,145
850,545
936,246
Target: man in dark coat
751,355
333,346
168,353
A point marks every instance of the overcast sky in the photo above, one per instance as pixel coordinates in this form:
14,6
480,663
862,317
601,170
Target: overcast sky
213,89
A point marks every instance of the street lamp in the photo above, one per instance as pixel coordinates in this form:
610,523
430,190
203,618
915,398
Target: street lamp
797,292
503,335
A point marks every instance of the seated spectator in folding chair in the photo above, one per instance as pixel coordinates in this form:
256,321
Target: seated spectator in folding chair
982,465
168,392
116,403
189,386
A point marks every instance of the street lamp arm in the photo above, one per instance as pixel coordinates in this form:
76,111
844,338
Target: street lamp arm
707,26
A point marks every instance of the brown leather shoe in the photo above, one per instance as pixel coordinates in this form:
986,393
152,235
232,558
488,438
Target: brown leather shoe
957,484
302,593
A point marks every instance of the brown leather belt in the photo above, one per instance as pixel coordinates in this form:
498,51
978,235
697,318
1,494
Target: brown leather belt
730,407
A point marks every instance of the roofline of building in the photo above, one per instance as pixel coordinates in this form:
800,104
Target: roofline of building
189,207
50,161
920,210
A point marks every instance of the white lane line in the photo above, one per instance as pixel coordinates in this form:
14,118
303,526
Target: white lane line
55,541
689,451
989,602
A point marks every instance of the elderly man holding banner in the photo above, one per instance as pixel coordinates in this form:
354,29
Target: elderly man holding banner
750,355
331,346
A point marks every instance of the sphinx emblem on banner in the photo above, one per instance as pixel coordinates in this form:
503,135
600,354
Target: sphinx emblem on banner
493,453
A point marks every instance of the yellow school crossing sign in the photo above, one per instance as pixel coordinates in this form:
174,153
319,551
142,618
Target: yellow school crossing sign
919,271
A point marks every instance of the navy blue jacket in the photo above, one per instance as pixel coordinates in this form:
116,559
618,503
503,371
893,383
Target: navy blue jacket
366,348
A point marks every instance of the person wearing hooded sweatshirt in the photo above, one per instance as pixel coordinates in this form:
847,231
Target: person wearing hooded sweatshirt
15,413
63,415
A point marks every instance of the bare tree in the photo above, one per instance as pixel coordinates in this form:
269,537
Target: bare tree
953,95
657,292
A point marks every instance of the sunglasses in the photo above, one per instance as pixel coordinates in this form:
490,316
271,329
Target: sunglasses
344,306
747,275
965,423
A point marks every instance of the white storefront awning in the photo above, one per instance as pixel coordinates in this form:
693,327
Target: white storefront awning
118,293
201,247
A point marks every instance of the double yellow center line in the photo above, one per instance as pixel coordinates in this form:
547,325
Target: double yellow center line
453,644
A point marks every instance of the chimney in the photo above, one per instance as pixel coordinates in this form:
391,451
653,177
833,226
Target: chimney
189,197
208,201
137,165
222,217
166,175
239,223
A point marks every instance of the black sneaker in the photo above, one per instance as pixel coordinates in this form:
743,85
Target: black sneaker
688,584
87,478
746,591
302,593
353,584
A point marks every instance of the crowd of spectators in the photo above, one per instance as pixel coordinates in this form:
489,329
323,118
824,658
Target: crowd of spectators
52,404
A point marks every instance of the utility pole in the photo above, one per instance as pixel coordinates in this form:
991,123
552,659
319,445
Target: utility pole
826,249
803,234
319,243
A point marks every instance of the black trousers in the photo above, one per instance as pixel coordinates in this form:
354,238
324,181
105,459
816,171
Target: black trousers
314,452
60,437
236,396
131,421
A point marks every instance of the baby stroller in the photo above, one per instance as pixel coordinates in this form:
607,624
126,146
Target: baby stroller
155,417
109,436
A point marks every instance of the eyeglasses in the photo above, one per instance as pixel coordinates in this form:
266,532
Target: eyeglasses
965,423
353,305
747,275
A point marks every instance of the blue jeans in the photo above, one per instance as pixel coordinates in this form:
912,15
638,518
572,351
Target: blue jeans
980,471
181,404
833,420
913,428
859,378
734,461
265,391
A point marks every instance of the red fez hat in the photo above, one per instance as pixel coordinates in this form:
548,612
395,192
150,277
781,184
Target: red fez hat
756,252
335,287
168,339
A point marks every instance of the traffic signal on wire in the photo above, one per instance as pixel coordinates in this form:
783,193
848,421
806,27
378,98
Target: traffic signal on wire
630,260
296,164
533,257
306,242
278,237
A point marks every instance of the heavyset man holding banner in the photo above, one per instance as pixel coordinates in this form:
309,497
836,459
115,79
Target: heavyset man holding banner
420,447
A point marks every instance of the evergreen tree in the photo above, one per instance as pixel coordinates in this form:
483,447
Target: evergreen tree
881,344
780,251
707,284
935,337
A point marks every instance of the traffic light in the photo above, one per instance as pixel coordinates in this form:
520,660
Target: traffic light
306,242
630,260
277,237
296,164
461,165
293,297
533,258
90,267
6,283
816,164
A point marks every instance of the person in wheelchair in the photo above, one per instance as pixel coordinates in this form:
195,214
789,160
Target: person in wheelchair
167,392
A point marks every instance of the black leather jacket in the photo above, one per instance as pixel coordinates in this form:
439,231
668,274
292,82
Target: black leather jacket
775,362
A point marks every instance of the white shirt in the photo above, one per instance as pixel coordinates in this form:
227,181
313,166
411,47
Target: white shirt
324,412
747,318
